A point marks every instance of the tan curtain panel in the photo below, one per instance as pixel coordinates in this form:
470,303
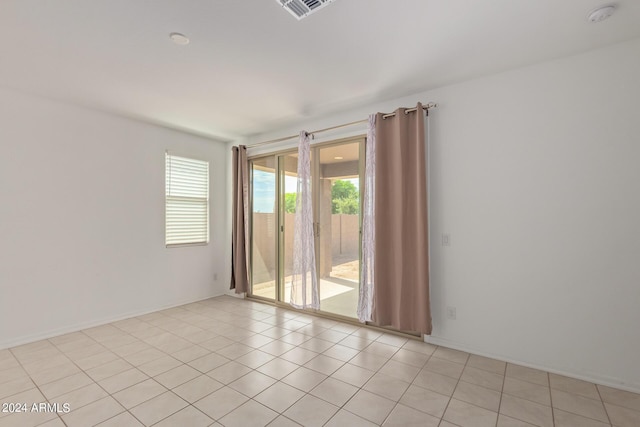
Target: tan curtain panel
240,233
401,298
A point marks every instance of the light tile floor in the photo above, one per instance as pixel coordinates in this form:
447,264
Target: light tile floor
232,362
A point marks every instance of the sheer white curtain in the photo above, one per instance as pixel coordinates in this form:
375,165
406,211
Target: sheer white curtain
365,300
304,282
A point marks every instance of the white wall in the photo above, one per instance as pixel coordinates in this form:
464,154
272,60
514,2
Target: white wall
535,173
82,219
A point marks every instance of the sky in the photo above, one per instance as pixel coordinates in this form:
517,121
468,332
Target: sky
264,190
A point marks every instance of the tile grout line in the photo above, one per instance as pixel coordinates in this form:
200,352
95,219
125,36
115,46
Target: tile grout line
553,412
456,386
410,384
290,331
504,379
604,406
345,363
189,404
581,396
328,376
111,376
361,388
34,383
99,385
378,371
306,393
180,318
276,325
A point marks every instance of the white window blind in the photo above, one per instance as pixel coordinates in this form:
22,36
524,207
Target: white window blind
187,201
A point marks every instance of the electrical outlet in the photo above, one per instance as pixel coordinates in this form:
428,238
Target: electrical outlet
446,239
215,276
451,313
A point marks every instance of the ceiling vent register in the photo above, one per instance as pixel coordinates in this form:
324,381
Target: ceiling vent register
303,8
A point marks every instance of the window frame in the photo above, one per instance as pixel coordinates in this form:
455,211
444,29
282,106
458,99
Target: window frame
167,198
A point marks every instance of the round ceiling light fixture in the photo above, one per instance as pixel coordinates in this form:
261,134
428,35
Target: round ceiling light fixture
601,13
338,158
178,38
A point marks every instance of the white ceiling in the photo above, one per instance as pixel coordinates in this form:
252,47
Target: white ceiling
251,67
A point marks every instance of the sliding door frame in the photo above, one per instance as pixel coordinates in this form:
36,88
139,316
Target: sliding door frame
280,241
315,167
250,257
279,156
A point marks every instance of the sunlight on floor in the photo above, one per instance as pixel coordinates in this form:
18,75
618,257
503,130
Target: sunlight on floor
338,292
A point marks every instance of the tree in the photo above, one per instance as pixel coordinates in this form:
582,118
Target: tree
348,206
290,202
344,198
343,190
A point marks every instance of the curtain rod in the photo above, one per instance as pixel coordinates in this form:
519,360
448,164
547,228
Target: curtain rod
426,107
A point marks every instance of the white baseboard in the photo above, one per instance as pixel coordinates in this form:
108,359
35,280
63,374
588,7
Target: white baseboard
590,377
14,342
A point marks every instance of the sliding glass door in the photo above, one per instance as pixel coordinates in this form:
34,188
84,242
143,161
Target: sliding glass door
336,169
287,202
338,236
264,226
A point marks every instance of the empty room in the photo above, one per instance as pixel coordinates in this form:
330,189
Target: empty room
331,213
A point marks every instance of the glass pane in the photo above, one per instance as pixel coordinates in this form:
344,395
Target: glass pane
289,186
264,234
338,245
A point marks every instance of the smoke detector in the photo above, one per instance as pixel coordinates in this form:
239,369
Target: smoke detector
303,8
601,13
178,38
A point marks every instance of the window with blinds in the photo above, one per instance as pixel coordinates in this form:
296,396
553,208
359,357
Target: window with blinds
186,201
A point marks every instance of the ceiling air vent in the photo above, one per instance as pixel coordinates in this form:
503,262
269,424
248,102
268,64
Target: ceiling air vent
303,8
